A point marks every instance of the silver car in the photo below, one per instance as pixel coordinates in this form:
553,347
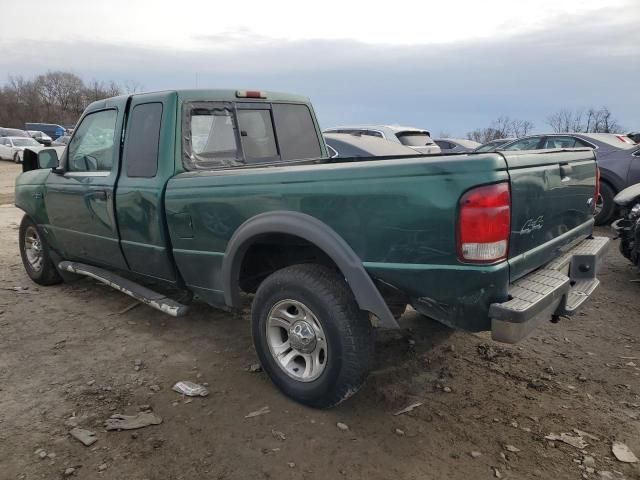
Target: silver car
416,138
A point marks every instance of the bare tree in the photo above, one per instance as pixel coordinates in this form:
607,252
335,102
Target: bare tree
55,97
501,127
132,86
590,121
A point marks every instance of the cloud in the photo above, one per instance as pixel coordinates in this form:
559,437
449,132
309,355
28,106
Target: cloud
576,62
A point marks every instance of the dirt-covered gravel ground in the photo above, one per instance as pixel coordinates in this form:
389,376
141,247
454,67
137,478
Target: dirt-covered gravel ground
70,356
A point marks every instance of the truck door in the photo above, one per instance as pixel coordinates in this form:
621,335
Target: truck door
147,165
80,199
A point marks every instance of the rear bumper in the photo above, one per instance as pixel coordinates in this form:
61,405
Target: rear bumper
559,288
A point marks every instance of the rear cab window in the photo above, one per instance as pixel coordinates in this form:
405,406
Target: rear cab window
414,139
223,134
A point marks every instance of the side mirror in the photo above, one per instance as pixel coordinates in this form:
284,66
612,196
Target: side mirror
48,158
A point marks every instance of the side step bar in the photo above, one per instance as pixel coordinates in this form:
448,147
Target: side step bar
134,290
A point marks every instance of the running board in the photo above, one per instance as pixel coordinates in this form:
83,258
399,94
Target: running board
148,297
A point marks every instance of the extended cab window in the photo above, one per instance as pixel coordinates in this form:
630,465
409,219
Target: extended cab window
141,144
92,148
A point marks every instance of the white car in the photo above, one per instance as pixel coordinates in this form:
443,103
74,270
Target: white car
416,138
11,148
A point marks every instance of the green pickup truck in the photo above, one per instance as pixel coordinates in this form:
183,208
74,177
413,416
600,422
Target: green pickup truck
225,194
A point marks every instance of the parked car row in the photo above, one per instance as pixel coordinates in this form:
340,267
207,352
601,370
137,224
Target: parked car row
618,155
13,141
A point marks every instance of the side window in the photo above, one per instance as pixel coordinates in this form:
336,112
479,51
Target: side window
93,146
210,135
141,142
559,141
297,135
530,143
582,143
256,135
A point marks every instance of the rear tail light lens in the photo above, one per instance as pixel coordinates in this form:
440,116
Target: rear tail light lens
484,224
596,193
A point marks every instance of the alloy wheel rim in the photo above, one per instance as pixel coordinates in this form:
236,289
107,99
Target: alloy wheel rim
33,249
296,340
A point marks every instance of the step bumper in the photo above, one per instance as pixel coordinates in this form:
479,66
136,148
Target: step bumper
549,291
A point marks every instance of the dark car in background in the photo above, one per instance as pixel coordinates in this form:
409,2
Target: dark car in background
618,158
493,145
456,145
52,129
343,145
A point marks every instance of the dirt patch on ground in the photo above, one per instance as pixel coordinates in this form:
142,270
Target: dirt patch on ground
67,356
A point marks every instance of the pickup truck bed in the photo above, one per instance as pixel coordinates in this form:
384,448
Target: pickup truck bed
222,193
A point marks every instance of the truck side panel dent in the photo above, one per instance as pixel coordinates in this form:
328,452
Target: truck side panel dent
316,232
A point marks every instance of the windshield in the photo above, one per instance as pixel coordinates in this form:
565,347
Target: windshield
25,142
414,139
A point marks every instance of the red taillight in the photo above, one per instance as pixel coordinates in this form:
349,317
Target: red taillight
596,192
484,224
250,94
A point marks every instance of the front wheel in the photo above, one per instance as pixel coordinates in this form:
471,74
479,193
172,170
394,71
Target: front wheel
35,254
311,337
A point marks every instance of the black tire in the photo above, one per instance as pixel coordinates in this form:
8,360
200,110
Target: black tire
608,206
46,274
347,330
16,157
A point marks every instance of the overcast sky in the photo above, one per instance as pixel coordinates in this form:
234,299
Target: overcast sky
448,66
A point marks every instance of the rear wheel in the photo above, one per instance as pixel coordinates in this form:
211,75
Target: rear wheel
35,254
310,335
605,207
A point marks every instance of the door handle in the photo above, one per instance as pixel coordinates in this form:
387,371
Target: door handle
100,195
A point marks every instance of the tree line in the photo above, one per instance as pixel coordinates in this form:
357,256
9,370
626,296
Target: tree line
591,120
53,97
61,97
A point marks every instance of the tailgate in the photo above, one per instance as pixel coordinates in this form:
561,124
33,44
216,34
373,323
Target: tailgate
551,204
